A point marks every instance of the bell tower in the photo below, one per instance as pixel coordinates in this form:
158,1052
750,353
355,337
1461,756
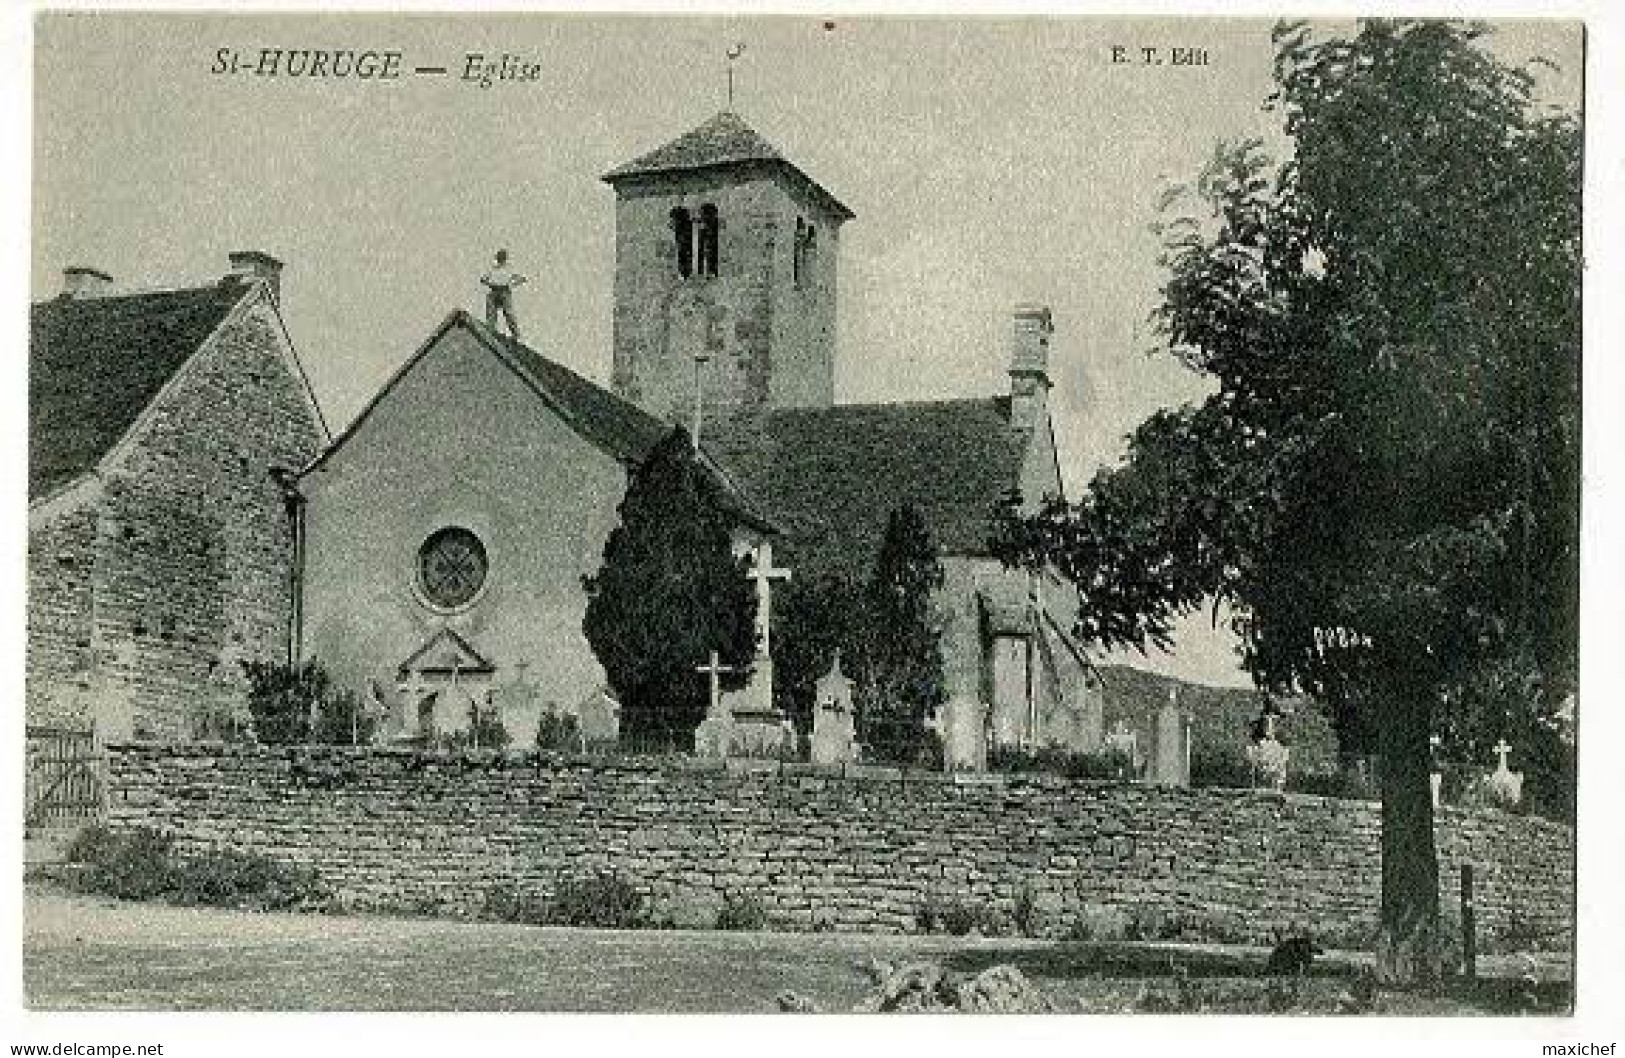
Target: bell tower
725,265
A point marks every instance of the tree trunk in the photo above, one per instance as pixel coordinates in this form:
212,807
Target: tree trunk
1408,949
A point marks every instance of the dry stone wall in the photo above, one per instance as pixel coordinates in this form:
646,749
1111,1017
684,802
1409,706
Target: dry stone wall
819,849
61,560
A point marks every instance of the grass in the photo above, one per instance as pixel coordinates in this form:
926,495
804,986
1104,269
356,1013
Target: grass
91,954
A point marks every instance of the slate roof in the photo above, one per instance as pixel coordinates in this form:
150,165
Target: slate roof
611,424
94,364
830,477
616,426
724,140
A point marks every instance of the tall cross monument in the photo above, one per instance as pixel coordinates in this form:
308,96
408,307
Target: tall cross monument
762,571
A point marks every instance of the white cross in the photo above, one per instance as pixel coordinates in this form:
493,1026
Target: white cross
1502,749
764,573
716,668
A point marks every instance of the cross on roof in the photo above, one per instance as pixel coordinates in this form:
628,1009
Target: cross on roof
1501,750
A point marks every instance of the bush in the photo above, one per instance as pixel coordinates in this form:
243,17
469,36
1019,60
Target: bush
485,728
1059,760
1096,923
509,903
1349,785
284,700
954,915
126,864
603,901
741,911
141,864
1220,767
558,733
226,878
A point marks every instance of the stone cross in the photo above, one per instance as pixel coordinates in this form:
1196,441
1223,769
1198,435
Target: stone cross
715,669
1504,784
764,573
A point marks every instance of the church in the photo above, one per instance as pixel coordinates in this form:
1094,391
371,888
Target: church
441,578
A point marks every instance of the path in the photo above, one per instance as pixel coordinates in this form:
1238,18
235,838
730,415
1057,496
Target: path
87,954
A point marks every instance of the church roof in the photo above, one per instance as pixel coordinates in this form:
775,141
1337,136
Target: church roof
724,140
94,364
614,426
830,477
617,427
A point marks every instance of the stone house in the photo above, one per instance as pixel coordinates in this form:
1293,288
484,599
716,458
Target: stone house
160,544
447,531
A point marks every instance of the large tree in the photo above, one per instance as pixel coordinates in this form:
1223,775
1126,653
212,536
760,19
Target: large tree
814,616
670,592
898,664
1383,487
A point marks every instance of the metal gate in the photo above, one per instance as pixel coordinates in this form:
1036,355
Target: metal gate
64,785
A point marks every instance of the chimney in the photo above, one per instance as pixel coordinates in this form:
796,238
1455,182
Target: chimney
1029,366
248,265
80,282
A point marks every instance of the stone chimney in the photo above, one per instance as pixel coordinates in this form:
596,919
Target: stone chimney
81,282
1029,366
249,265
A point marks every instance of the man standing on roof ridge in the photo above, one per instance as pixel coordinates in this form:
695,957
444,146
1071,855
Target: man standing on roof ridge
499,283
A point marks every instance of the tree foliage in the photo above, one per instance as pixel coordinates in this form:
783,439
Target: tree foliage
293,704
669,592
813,617
1383,487
889,638
898,666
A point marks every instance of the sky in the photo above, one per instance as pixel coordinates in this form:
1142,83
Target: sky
989,162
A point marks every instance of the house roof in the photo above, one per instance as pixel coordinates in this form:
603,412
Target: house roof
830,477
724,140
96,363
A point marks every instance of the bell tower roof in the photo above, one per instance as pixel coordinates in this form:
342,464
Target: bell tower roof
725,141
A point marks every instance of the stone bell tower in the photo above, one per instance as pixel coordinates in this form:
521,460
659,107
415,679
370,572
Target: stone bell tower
725,266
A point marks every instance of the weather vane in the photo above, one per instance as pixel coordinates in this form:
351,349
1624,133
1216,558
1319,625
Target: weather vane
734,52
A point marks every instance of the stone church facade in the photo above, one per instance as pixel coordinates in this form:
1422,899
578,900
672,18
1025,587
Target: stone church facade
448,529
163,428
440,578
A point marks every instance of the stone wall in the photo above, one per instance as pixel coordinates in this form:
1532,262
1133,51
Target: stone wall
61,563
398,831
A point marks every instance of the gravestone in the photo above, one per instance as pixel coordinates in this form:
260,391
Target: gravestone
1171,751
599,718
1125,742
715,733
1504,784
1267,754
834,737
734,728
